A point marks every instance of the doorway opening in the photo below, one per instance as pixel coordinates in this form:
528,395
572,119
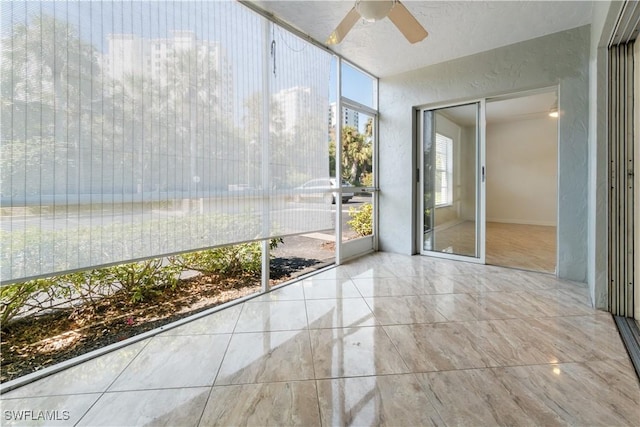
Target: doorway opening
522,181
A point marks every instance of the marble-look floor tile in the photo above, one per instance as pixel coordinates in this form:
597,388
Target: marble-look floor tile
598,393
423,285
388,287
267,357
526,341
268,404
289,292
454,307
430,267
438,347
510,342
404,310
321,289
490,346
174,361
64,410
549,281
579,338
220,322
272,316
335,273
389,400
339,313
505,281
172,407
354,352
504,305
369,268
94,375
559,302
454,284
476,397
575,288
390,257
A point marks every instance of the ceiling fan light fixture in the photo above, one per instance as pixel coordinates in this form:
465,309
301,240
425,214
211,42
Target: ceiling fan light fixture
374,10
553,110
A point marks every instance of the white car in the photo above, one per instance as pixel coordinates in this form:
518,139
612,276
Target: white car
322,185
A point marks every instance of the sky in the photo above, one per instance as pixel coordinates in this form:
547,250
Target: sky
356,85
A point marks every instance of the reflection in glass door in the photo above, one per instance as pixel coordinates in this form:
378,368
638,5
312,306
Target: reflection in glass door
452,177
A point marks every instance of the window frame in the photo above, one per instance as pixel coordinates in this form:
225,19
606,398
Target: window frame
448,170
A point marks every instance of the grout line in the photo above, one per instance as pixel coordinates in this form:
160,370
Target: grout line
313,364
127,366
215,377
102,393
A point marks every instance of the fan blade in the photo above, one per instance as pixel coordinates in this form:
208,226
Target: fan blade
345,26
407,24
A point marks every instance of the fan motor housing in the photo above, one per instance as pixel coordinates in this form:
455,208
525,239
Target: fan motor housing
374,10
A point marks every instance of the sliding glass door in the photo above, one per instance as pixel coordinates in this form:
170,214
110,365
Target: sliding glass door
451,204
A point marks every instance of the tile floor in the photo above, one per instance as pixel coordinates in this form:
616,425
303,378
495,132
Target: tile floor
384,340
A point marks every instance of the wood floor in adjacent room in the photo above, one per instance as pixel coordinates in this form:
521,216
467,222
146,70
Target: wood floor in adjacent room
530,247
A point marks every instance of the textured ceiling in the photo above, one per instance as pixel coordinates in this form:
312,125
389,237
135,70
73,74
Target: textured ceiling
456,28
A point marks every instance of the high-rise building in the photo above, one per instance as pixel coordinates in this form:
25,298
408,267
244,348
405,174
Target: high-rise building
130,54
292,102
349,117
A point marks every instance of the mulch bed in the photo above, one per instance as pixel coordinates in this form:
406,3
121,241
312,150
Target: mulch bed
35,342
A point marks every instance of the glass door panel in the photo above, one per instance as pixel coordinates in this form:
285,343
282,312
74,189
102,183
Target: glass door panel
357,183
451,181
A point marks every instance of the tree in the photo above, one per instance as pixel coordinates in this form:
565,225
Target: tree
357,152
47,97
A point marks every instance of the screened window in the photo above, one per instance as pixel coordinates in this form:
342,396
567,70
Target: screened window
110,154
444,169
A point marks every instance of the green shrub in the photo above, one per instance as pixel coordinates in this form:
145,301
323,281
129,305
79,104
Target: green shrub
366,179
15,297
137,280
226,261
362,219
145,278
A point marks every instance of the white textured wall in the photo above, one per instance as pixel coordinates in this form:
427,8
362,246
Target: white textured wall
522,165
558,59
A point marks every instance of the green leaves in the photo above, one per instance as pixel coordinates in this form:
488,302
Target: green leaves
137,281
362,219
357,155
226,261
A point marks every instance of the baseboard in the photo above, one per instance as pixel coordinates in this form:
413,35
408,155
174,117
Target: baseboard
522,222
449,224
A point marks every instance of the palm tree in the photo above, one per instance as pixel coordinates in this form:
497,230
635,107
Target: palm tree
356,154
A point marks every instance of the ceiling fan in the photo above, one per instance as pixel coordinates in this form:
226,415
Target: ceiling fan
375,10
